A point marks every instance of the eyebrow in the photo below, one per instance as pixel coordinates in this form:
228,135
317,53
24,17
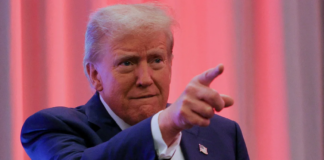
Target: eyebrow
125,57
133,56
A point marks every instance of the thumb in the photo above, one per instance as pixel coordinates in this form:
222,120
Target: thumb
208,76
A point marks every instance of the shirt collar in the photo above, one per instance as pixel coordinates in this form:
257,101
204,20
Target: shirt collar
121,123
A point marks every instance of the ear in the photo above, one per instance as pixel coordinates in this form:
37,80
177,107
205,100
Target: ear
94,77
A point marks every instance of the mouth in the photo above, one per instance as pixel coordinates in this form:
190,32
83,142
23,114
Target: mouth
143,97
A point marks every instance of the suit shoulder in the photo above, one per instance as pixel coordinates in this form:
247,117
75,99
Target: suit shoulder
222,120
59,112
222,124
53,118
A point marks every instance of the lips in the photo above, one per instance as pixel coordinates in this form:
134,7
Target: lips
143,96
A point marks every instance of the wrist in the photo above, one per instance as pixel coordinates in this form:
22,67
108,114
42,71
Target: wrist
169,130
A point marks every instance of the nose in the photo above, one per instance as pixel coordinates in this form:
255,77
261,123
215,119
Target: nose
144,76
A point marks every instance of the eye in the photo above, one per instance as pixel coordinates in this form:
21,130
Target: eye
126,63
157,60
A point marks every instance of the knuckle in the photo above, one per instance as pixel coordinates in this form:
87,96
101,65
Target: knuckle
219,108
222,103
208,109
207,122
204,123
210,112
194,122
196,78
186,101
190,89
182,113
214,93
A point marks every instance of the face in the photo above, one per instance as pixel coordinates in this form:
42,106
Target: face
134,76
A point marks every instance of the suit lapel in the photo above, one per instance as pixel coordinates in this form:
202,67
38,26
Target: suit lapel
100,120
103,124
190,141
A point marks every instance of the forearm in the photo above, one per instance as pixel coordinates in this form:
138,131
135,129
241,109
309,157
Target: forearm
45,136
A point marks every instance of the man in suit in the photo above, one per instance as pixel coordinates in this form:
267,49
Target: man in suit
128,59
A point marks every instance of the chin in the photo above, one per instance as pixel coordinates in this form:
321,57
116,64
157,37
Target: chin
141,113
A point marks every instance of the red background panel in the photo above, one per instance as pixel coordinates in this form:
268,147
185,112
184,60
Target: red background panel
252,38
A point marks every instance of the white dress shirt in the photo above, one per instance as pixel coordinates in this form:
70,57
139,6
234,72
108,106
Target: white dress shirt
162,150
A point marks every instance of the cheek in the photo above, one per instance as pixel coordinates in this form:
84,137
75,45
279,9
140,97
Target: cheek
163,79
119,84
115,91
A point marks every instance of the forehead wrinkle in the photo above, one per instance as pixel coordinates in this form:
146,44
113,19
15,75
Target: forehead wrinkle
125,49
158,50
140,45
143,37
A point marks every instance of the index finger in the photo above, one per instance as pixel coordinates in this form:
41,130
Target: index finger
208,76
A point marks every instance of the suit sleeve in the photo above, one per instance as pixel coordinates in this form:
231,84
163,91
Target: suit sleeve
45,137
241,150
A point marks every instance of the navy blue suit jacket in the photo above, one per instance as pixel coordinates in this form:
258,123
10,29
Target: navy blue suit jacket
89,133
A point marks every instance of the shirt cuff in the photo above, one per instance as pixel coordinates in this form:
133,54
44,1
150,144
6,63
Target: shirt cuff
162,150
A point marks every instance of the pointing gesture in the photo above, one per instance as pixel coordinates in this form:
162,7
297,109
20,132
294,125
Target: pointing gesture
195,106
208,76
